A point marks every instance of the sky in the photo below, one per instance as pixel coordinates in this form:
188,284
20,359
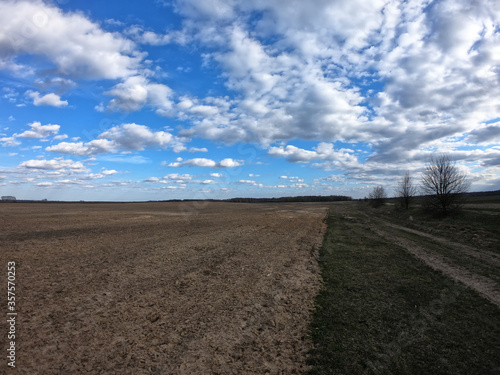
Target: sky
156,100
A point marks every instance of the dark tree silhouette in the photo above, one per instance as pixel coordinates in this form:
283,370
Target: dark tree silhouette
444,184
377,196
406,190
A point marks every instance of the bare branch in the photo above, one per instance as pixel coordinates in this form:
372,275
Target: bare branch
406,190
443,182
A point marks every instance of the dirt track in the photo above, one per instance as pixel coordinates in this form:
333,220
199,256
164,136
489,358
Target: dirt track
165,288
433,255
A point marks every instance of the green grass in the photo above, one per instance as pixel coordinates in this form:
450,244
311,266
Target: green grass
453,256
478,227
381,311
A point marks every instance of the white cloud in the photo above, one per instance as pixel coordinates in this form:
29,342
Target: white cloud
136,92
196,149
94,147
75,45
54,164
176,176
126,137
39,131
50,99
9,141
250,182
196,162
311,71
401,79
108,172
229,163
203,162
132,137
324,151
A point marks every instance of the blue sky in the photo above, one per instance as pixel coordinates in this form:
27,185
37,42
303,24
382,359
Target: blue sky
114,100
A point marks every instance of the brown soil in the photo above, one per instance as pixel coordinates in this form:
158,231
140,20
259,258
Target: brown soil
162,288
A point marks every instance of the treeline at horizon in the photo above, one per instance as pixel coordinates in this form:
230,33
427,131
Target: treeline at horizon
304,198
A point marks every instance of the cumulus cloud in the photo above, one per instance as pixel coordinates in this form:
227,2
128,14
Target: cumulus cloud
134,137
177,176
405,78
197,149
50,99
9,141
324,151
208,163
54,164
126,137
398,75
44,184
76,46
229,163
94,147
196,162
249,182
108,172
39,131
136,92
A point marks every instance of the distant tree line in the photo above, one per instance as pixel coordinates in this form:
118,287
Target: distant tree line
307,198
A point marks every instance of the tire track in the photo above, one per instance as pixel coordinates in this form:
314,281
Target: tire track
481,284
484,255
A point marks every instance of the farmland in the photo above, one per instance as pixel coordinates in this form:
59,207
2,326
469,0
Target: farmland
268,288
162,288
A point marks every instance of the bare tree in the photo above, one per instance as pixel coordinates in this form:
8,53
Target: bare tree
406,190
377,196
443,182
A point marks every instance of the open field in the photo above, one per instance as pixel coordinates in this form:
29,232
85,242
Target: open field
405,293
229,288
161,288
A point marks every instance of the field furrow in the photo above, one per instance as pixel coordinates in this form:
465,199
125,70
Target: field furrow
165,288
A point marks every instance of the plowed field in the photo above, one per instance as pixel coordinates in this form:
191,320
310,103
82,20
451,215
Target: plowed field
161,288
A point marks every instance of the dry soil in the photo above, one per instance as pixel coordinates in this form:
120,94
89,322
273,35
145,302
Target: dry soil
161,288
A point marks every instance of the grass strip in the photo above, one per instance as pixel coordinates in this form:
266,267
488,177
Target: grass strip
382,311
452,255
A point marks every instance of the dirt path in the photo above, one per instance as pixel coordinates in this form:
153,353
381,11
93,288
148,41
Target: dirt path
482,284
484,255
163,288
